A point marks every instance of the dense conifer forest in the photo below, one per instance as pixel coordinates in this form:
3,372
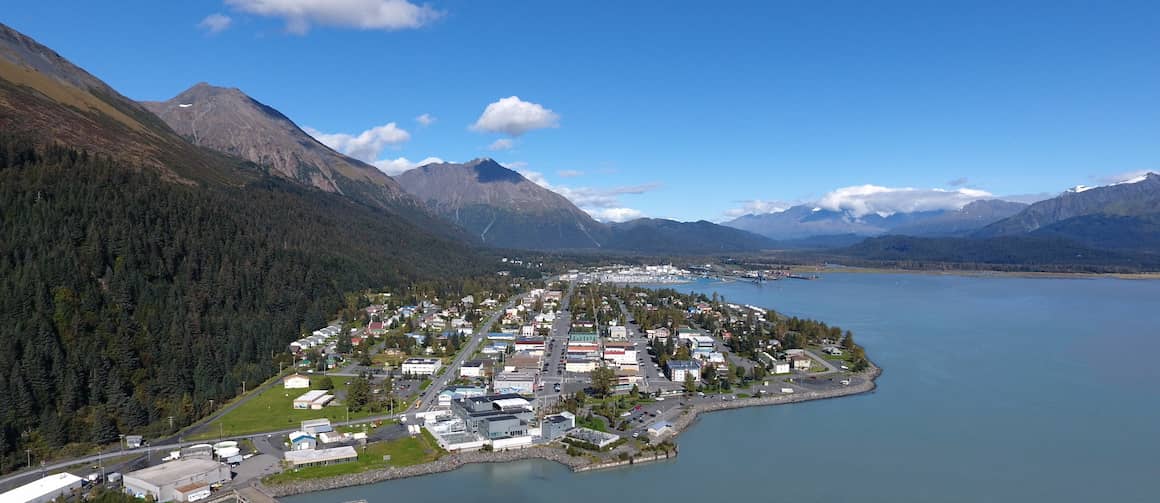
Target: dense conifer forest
128,299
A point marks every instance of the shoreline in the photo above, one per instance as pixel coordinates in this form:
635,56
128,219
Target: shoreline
981,273
453,461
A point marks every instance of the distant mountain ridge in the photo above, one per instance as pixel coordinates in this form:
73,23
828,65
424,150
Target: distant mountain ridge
505,209
1137,199
807,222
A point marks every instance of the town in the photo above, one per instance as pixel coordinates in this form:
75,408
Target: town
584,368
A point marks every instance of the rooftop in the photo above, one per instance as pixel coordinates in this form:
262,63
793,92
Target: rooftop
39,488
172,471
321,455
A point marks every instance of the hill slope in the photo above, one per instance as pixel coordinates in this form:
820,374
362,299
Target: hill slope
229,121
1124,200
44,96
501,207
655,235
144,275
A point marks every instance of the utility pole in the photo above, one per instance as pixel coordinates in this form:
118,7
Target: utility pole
171,422
29,453
221,431
243,387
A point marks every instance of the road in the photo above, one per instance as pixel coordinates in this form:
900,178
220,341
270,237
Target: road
451,372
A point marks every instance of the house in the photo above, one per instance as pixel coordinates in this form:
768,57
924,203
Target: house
475,368
679,369
302,441
313,399
421,366
832,350
376,328
800,362
658,334
557,425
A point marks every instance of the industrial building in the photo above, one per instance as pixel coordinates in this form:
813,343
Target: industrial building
557,425
321,457
180,480
495,417
314,399
44,490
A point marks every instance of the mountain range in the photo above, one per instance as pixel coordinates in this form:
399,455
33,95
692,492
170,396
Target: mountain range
504,209
809,224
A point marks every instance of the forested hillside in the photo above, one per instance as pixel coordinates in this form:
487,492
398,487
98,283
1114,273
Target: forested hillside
129,299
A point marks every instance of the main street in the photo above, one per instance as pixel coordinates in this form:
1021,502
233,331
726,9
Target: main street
427,399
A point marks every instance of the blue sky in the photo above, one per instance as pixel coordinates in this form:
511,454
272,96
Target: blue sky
688,110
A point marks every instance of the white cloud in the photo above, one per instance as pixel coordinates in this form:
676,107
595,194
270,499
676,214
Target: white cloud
365,146
757,207
300,15
395,166
862,200
502,144
602,203
425,120
616,214
215,23
514,117
569,173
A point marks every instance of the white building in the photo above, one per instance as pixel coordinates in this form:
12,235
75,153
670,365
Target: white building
421,366
474,368
313,399
44,490
679,369
515,382
296,381
618,332
180,480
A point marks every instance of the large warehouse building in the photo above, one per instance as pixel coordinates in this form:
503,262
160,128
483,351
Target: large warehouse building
180,480
43,490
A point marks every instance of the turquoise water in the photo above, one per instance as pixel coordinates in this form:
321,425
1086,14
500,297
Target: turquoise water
995,389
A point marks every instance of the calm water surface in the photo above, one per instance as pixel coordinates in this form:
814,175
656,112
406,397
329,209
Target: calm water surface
995,389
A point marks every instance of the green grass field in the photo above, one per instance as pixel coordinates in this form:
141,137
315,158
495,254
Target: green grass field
403,452
273,410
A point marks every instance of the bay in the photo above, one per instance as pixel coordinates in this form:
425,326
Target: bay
995,389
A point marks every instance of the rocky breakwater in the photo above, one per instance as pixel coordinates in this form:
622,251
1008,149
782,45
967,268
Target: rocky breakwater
444,464
861,383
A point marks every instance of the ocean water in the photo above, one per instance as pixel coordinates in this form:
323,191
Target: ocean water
995,389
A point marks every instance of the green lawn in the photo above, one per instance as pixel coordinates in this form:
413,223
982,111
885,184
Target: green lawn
274,410
403,452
